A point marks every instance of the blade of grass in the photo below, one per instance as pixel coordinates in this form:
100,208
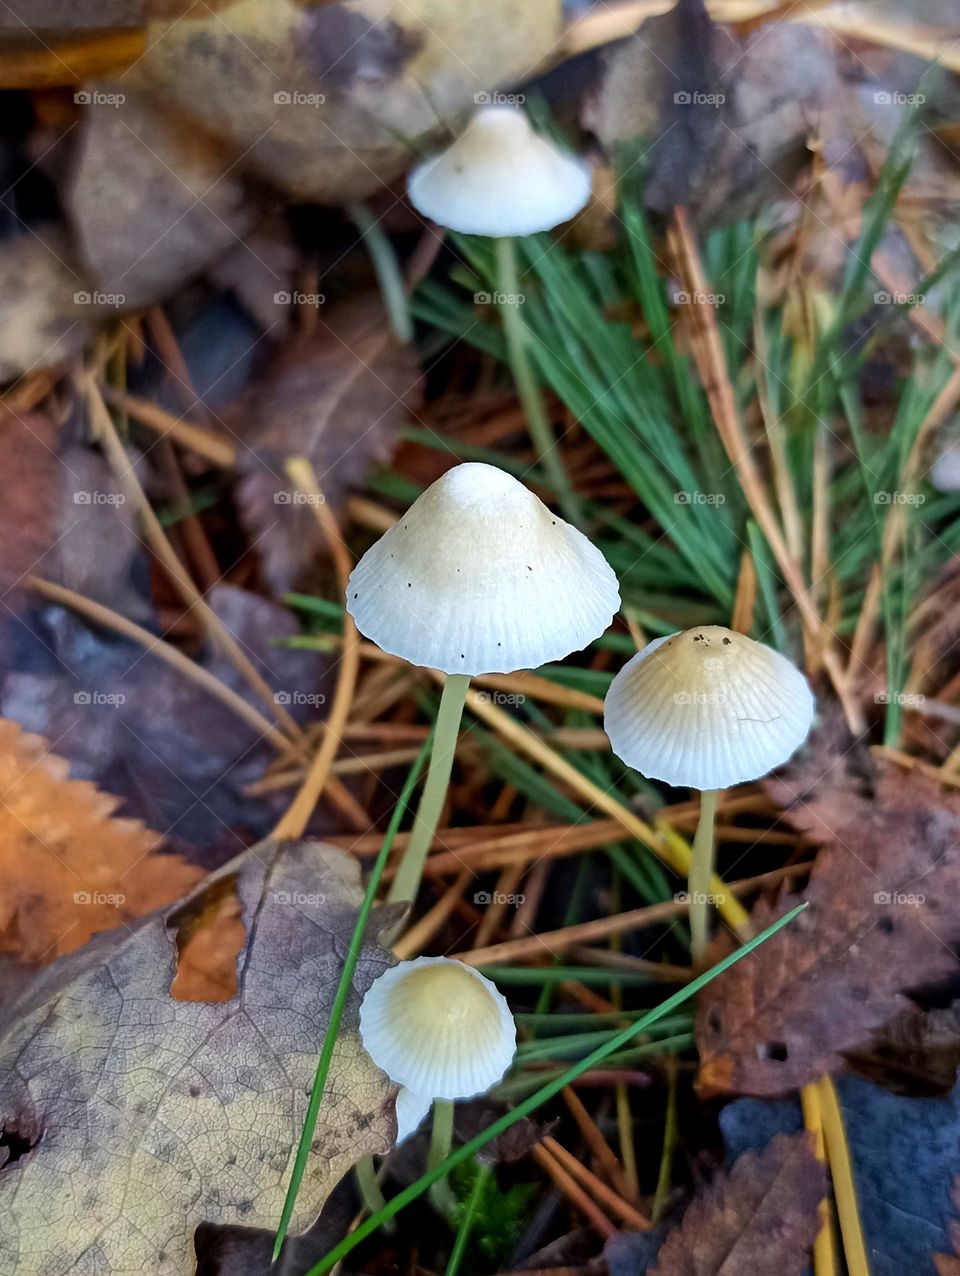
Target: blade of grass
340,1000
534,1101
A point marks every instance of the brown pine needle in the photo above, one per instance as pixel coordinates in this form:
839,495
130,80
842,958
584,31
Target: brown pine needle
574,1193
596,1187
602,1151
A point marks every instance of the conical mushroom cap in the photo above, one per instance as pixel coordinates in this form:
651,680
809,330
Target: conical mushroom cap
706,709
479,577
439,1028
500,178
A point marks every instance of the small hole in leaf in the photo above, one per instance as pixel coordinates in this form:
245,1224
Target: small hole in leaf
714,1022
775,1050
15,1142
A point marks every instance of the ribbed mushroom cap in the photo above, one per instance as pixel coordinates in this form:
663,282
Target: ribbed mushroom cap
439,1028
500,178
411,1108
479,577
707,708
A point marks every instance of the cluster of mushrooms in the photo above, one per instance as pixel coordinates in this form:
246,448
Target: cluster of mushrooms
480,577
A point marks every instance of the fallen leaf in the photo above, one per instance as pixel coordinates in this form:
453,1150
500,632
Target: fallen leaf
157,1115
903,1153
68,866
881,918
331,102
333,396
180,760
151,201
28,460
917,1053
41,324
759,1217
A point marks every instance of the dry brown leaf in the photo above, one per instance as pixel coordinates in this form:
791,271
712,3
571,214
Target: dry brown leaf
333,396
157,1115
761,1217
331,102
150,199
882,916
68,866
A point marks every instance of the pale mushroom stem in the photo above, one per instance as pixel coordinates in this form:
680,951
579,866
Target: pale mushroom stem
515,331
407,881
701,873
441,1141
368,1185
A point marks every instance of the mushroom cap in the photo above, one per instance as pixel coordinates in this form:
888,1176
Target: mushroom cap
411,1109
945,471
479,577
500,178
707,708
438,1027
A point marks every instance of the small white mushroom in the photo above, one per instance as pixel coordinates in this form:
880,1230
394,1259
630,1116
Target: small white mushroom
707,708
440,1030
480,577
500,178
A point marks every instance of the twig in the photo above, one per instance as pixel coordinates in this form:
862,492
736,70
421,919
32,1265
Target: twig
109,619
206,443
159,543
598,1145
301,808
574,1193
597,1188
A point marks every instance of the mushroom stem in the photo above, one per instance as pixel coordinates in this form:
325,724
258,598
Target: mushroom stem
441,1141
407,881
368,1185
515,331
701,872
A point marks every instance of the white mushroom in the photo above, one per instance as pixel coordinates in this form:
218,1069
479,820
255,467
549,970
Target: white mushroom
500,178
706,709
440,1030
480,577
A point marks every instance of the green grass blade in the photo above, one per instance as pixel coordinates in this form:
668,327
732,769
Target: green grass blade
340,1000
534,1101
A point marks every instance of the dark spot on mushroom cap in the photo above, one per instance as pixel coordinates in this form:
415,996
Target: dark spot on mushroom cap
409,584
499,644
356,595
462,656
529,568
553,523
726,642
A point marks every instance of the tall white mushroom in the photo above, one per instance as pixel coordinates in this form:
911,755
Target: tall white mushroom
477,577
707,708
500,179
